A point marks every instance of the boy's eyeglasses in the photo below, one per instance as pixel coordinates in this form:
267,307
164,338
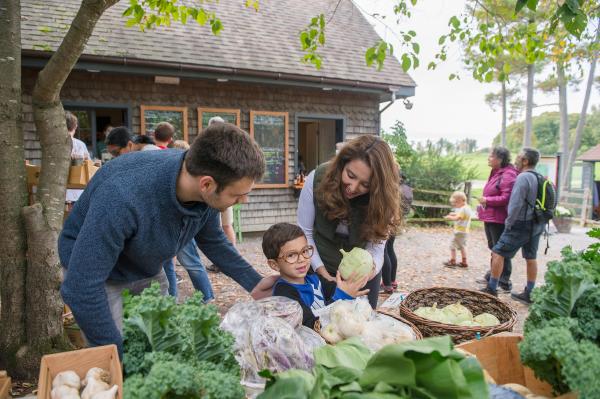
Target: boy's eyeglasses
294,257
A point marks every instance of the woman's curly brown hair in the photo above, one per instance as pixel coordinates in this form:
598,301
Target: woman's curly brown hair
383,216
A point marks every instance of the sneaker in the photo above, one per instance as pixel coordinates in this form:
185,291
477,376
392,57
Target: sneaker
505,287
394,285
386,289
488,290
484,279
522,297
212,268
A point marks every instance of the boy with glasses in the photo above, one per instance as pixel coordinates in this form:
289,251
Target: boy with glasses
288,253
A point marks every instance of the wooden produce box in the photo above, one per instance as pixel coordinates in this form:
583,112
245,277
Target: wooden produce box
4,385
80,361
499,356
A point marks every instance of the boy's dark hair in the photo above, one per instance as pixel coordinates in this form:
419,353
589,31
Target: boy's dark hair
71,121
142,139
276,237
119,136
227,154
164,131
503,154
532,156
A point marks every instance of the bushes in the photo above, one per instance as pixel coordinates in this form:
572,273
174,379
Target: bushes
429,167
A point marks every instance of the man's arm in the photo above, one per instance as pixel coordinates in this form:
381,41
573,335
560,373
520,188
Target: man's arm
93,254
212,241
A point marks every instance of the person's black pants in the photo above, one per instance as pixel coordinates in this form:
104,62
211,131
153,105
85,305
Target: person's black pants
493,231
373,286
390,263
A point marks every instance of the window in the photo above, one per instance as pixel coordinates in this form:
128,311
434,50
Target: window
151,115
270,130
229,115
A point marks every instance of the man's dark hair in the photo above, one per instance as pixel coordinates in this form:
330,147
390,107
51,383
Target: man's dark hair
532,156
503,154
276,237
164,131
71,121
119,136
142,139
226,153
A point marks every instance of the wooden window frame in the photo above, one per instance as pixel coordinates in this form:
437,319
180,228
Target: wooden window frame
286,144
202,110
184,110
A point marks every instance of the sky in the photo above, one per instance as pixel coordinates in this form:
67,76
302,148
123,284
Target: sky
442,108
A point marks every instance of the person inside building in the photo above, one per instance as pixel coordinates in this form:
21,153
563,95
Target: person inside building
128,222
79,149
352,201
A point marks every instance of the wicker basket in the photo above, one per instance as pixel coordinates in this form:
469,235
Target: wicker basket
477,302
415,330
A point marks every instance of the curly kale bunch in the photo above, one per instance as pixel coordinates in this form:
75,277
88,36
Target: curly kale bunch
177,351
562,331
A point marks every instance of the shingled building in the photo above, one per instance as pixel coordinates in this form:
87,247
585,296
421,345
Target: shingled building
251,74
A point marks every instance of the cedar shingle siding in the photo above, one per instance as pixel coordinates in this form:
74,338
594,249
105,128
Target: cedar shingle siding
267,206
259,54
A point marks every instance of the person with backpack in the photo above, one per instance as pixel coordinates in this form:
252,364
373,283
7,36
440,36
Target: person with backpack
493,206
524,223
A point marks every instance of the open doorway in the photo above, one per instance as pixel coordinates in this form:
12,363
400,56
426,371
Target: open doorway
95,122
316,141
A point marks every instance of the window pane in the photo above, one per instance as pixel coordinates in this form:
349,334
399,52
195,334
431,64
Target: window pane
154,117
269,133
228,117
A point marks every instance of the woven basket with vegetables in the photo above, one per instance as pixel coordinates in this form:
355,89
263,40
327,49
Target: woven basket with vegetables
463,314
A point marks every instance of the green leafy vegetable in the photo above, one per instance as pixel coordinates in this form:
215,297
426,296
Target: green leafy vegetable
177,351
415,369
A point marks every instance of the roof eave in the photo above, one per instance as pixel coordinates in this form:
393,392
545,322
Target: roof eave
34,58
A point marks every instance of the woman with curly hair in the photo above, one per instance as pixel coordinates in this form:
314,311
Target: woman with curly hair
352,201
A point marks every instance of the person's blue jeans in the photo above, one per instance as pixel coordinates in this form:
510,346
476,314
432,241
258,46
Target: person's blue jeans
169,268
189,258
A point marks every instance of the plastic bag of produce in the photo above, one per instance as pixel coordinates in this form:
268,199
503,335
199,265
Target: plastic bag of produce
282,307
277,346
238,320
311,339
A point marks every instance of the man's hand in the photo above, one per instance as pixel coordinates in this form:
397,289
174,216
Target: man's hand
264,288
321,271
353,285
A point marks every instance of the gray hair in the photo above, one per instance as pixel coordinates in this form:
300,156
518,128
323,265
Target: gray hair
531,155
215,119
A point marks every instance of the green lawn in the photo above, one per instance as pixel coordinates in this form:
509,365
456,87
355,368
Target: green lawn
478,161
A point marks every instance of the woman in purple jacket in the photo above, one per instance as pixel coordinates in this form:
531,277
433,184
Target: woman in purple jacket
494,203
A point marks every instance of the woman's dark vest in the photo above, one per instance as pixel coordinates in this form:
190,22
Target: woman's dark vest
327,240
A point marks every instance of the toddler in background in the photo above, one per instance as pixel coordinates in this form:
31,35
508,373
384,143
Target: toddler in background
461,216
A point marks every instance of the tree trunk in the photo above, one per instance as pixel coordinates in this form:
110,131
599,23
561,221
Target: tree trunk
563,132
44,220
529,106
583,114
504,111
13,189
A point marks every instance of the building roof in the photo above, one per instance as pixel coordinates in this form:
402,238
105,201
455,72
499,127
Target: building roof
593,154
266,41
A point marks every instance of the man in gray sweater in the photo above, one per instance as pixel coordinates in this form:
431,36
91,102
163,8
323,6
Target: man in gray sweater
522,230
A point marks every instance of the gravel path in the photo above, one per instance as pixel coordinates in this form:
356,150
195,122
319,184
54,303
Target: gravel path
421,252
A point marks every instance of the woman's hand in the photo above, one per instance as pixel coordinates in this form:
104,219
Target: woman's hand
264,288
482,201
321,271
353,285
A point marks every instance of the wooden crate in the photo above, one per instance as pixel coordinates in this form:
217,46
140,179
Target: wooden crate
80,361
499,356
4,385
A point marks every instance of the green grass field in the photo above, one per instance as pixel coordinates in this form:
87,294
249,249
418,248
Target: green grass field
478,161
